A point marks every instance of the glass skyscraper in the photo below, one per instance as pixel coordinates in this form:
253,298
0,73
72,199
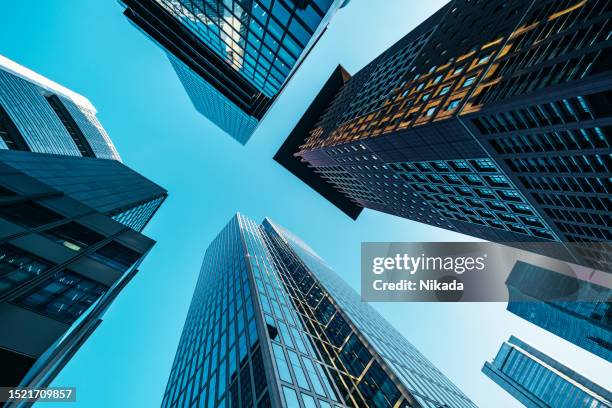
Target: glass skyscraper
71,216
234,57
38,115
538,381
491,118
587,324
270,324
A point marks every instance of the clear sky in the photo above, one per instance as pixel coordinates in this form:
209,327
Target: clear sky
89,47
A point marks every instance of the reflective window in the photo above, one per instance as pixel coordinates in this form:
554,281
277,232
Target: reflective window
65,296
116,256
18,266
29,214
73,236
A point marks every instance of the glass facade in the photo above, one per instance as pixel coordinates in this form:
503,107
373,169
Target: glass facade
63,259
233,57
18,266
138,215
119,192
374,364
512,83
64,296
214,105
585,324
70,220
537,380
92,129
300,369
266,304
261,39
25,102
219,359
474,191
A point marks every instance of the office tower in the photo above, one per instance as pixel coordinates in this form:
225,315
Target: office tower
538,381
234,57
576,310
270,324
491,119
69,242
71,216
38,115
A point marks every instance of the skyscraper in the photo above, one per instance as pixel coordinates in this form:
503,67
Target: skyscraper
39,115
71,216
490,118
233,57
270,324
558,303
538,381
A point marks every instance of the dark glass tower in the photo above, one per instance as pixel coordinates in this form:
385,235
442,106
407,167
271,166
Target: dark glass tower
538,381
270,324
71,216
233,57
491,118
66,250
552,301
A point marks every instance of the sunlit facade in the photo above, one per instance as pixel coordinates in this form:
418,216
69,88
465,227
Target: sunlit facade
491,118
536,380
41,116
233,57
270,324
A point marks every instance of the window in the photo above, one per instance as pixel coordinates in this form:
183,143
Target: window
281,13
430,111
453,104
469,81
137,216
290,397
484,59
445,90
116,256
497,181
65,296
312,374
300,376
309,16
74,236
17,266
377,387
355,356
299,32
309,402
484,165
71,127
9,133
29,214
281,363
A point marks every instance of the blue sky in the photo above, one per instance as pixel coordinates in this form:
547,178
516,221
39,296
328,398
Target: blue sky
88,46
